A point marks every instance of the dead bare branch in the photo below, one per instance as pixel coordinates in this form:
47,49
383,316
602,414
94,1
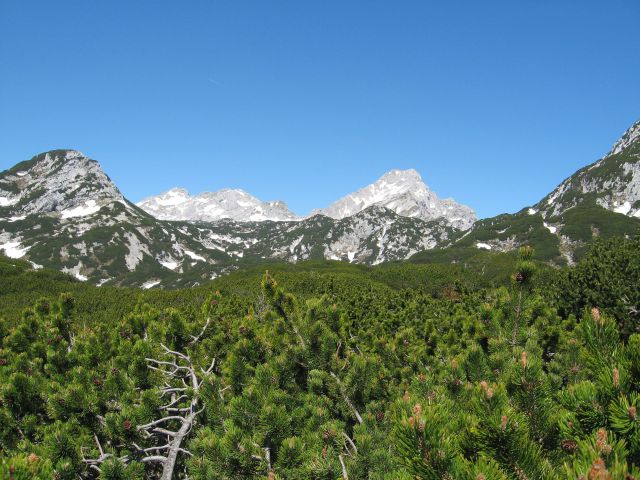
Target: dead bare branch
346,398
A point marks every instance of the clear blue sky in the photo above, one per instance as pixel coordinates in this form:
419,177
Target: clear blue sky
494,102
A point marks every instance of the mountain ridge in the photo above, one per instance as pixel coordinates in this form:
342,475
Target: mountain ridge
60,210
402,191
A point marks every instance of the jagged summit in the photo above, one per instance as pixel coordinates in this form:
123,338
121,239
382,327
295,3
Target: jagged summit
405,193
401,191
234,204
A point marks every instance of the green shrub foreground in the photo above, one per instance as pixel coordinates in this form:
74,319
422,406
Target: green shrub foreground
525,381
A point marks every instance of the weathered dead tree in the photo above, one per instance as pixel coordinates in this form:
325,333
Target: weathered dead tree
181,386
346,398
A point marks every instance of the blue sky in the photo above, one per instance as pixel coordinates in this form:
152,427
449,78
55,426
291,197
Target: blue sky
493,102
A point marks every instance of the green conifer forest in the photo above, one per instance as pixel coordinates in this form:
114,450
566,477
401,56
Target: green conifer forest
328,371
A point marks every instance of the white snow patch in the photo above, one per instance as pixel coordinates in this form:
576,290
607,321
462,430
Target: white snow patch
149,284
35,265
485,246
15,219
351,256
551,228
532,211
6,201
21,174
194,256
169,264
13,249
75,271
103,281
90,207
623,209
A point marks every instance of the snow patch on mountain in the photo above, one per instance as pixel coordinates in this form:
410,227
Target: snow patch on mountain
624,209
88,208
194,256
170,264
75,271
150,284
7,201
14,249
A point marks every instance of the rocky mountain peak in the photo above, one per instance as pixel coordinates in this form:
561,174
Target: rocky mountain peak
405,193
407,175
59,181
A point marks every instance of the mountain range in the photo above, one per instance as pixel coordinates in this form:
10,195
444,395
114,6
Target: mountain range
401,191
60,210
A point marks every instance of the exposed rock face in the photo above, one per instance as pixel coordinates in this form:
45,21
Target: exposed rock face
63,182
403,192
613,181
